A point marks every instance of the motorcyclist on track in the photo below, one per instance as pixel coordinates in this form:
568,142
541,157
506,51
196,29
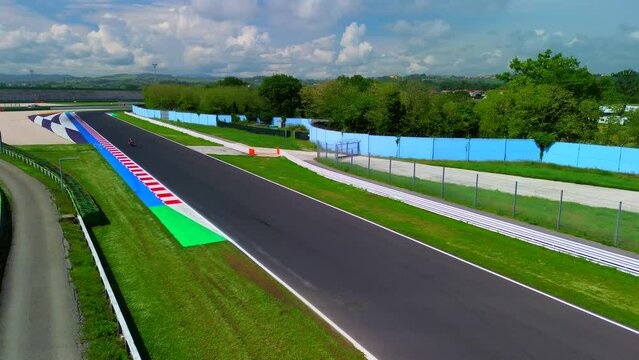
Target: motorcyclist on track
131,142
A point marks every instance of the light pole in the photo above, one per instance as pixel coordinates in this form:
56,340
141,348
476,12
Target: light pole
60,165
155,72
1,143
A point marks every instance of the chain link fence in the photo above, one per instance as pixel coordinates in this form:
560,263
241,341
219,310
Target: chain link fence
607,216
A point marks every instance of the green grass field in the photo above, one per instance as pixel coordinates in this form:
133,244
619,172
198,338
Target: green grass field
548,172
99,328
245,137
596,224
176,136
603,290
200,302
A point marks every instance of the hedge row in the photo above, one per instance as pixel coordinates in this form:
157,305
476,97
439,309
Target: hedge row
82,200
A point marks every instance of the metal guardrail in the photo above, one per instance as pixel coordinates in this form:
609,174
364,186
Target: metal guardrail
553,242
4,215
115,306
83,203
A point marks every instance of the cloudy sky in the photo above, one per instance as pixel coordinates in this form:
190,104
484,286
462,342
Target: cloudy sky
311,38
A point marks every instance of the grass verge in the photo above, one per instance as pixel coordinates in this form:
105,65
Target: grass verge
99,327
548,172
176,136
244,137
600,289
592,223
199,302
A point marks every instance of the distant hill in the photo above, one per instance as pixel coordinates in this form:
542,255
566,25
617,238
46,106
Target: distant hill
138,81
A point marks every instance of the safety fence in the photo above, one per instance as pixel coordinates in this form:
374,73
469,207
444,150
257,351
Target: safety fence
82,201
5,229
4,215
221,121
610,158
522,232
607,216
88,214
256,129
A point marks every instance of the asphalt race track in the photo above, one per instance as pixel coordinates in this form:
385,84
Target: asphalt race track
399,299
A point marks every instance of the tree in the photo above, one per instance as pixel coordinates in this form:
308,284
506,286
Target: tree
627,83
230,81
282,93
550,69
387,113
540,112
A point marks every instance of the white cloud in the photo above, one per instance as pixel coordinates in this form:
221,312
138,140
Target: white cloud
308,14
430,29
248,40
354,51
573,42
539,32
635,35
225,9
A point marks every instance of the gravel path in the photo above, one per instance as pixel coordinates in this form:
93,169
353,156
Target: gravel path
38,311
582,194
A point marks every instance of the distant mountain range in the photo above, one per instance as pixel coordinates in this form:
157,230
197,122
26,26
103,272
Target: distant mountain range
138,81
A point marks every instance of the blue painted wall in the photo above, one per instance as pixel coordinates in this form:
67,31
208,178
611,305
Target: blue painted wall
577,155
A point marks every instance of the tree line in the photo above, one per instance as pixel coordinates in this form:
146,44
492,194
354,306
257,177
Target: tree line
548,98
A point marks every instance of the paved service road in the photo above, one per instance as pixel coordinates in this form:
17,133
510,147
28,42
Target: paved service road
397,298
38,312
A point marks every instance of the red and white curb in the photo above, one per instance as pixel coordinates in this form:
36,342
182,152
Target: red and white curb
155,186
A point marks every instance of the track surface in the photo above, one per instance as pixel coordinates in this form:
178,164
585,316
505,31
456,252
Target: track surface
397,298
38,313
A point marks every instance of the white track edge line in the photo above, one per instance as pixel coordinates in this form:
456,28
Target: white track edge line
285,154
444,252
306,302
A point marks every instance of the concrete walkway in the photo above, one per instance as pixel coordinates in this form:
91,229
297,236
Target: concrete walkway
582,194
38,311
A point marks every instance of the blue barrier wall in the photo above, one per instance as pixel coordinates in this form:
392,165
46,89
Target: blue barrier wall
416,147
486,150
599,157
563,154
629,161
521,150
609,158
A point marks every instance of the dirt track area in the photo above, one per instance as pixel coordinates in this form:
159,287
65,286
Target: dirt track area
17,129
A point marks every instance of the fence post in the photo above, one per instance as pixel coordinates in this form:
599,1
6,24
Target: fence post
318,150
476,189
325,151
432,153
515,199
414,168
390,169
619,163
618,223
468,150
368,173
443,180
350,165
505,148
561,205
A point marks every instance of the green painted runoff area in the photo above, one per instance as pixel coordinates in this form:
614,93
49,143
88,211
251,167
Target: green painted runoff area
186,231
